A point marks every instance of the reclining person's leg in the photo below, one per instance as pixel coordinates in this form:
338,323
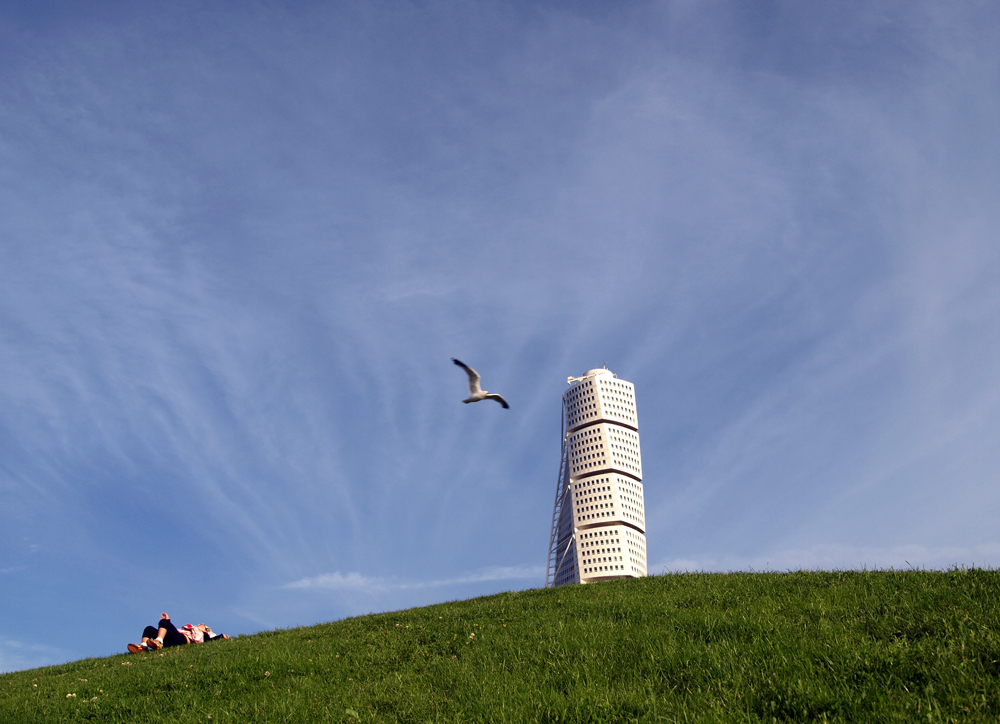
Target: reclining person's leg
169,634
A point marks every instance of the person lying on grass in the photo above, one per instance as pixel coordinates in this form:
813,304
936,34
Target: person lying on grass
167,634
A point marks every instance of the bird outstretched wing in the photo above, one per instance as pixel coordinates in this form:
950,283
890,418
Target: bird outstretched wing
474,388
498,398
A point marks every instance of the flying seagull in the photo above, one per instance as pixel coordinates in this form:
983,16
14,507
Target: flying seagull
476,393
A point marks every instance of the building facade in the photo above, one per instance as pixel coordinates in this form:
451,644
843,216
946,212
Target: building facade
599,521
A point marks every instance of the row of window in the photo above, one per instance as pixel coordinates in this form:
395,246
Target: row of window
602,569
627,438
630,436
590,456
590,436
603,534
580,488
608,512
593,460
618,387
587,445
590,403
607,547
591,482
575,418
622,481
602,496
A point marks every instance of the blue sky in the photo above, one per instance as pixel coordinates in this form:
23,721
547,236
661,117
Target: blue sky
240,242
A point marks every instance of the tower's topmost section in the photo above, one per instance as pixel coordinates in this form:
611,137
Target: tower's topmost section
599,396
599,372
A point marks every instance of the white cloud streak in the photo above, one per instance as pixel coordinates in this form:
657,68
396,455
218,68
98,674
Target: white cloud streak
18,655
356,582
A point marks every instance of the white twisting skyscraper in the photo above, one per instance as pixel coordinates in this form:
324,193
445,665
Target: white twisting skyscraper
599,521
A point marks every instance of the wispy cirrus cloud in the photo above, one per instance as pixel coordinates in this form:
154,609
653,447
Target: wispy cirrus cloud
353,581
18,655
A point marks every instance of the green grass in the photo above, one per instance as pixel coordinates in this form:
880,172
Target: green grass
841,646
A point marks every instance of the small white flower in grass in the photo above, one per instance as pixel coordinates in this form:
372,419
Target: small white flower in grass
267,673
71,696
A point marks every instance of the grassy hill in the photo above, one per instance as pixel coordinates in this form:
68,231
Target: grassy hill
842,646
